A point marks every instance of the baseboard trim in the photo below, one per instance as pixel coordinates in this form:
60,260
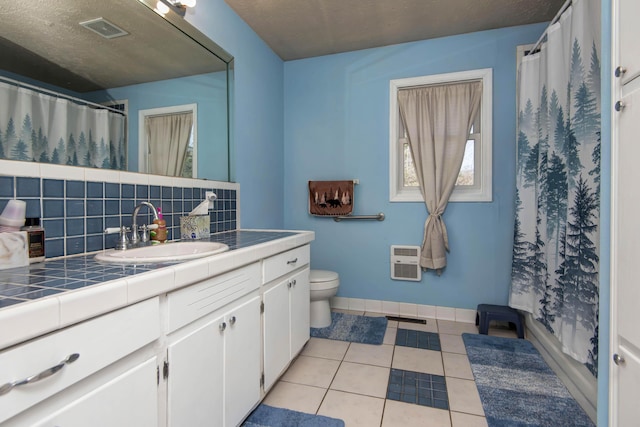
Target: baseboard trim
400,309
582,385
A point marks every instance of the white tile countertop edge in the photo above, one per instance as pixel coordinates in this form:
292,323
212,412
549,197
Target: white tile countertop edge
34,318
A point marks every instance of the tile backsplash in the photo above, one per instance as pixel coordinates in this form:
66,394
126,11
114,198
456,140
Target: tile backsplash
75,212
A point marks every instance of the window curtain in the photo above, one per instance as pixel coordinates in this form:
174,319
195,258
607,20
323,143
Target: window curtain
437,120
46,129
168,138
556,236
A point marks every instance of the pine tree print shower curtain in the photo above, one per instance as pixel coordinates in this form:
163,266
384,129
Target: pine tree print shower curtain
556,235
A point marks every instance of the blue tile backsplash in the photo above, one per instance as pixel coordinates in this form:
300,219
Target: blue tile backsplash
74,213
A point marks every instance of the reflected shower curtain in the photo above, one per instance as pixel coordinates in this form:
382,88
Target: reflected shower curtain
556,234
46,129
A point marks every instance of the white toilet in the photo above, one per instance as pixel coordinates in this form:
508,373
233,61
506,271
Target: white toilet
323,284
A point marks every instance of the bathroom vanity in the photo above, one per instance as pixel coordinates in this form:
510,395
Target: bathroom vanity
189,344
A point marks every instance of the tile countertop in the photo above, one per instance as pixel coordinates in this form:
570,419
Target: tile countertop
43,297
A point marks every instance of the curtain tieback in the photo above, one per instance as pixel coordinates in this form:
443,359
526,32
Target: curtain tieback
437,219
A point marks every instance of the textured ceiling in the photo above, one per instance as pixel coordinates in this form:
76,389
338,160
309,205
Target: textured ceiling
297,29
44,41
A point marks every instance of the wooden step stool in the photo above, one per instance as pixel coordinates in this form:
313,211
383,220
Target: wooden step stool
488,312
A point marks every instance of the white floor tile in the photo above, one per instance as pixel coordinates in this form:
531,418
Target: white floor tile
355,410
378,355
361,379
327,349
313,371
390,336
457,366
402,414
467,420
430,326
464,397
452,344
456,328
418,360
297,397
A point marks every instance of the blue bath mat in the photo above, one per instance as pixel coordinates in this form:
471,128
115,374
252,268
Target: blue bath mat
352,328
517,387
268,416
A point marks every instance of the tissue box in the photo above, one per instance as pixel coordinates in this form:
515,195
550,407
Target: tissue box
14,249
194,227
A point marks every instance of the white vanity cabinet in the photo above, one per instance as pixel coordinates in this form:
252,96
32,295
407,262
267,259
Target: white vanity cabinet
286,310
101,372
214,359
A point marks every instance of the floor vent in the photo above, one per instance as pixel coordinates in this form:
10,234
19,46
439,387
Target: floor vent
407,319
405,263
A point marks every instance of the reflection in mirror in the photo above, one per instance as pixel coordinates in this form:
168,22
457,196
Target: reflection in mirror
77,98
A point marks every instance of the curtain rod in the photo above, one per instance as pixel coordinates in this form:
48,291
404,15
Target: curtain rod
60,95
555,19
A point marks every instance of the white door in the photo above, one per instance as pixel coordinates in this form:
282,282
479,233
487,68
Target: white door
241,361
300,317
276,332
195,383
625,219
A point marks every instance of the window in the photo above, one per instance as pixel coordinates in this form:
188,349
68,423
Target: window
474,180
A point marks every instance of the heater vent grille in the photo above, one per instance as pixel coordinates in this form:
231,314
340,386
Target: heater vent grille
405,263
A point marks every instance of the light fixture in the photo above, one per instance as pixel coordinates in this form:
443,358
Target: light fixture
178,6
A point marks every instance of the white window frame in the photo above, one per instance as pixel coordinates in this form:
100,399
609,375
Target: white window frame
143,143
483,153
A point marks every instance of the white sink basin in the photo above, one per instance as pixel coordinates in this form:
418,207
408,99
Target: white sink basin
174,251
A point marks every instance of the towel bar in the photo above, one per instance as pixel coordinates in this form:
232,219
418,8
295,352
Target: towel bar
379,217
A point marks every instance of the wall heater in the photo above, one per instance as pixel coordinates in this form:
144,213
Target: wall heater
405,263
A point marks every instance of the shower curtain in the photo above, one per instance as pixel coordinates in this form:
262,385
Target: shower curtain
556,234
46,129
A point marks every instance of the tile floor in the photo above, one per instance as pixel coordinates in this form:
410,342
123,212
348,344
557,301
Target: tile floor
350,380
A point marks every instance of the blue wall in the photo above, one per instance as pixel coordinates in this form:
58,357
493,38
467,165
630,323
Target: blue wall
332,114
337,127
258,113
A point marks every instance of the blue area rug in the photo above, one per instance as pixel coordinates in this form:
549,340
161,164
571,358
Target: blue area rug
268,416
517,387
352,328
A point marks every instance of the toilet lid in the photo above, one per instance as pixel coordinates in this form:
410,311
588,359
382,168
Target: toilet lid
316,276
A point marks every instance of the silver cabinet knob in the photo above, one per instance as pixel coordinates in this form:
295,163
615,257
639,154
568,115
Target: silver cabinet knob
619,106
232,320
620,70
223,326
289,284
294,282
617,359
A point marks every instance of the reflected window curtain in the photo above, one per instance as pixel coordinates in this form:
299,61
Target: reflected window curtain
437,120
168,138
555,262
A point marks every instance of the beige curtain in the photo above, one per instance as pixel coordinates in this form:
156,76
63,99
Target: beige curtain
168,138
437,120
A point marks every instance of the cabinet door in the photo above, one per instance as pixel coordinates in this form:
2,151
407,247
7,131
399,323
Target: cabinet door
625,374
195,383
241,361
300,305
629,34
276,332
131,399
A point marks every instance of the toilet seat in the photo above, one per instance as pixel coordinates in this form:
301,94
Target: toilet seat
321,280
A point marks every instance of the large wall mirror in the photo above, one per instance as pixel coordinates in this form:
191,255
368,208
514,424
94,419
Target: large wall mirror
113,84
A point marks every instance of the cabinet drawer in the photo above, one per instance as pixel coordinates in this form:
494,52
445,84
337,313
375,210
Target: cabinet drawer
99,343
281,264
193,302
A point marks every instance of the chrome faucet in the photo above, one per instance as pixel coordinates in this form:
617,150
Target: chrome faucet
135,239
